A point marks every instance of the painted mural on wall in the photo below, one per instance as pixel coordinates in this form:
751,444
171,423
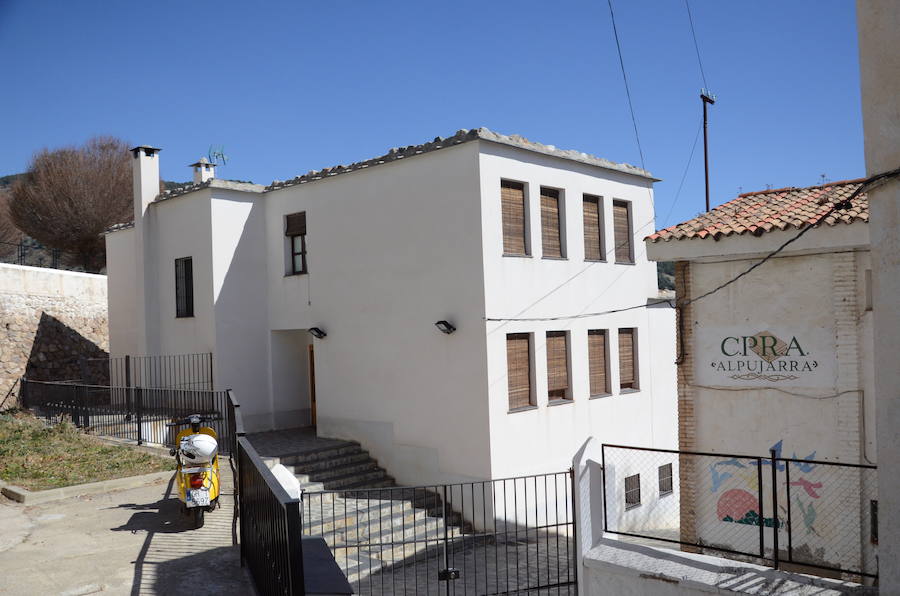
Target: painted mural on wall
735,484
737,356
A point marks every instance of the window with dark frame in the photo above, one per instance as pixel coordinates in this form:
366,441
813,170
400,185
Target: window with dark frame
512,202
558,366
295,231
184,288
518,370
551,233
665,479
628,362
593,228
597,370
622,234
632,491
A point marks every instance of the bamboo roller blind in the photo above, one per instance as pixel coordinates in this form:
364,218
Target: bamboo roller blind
295,224
550,233
597,361
622,232
512,199
626,359
557,365
518,366
593,243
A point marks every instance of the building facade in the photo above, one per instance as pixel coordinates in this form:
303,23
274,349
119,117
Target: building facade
780,359
439,304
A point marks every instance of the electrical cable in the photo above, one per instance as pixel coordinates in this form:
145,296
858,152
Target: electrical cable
625,78
683,177
696,46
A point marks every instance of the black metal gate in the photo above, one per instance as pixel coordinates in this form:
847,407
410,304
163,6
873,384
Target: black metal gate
508,536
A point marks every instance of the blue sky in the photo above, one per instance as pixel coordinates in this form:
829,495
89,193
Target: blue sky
291,86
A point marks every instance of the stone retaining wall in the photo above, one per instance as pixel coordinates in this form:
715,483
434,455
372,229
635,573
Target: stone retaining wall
51,323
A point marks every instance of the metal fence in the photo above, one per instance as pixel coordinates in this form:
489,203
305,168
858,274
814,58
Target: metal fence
136,414
31,253
802,513
493,537
170,371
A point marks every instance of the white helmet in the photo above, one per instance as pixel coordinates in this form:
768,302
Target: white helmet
198,449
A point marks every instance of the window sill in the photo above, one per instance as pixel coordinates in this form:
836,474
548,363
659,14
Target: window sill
296,274
600,396
595,260
513,256
625,262
184,316
554,258
632,506
627,390
668,493
522,409
559,402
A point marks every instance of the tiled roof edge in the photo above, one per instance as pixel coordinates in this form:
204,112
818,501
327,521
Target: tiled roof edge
118,226
461,136
212,182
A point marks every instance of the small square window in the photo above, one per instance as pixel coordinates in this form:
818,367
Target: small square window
665,479
632,491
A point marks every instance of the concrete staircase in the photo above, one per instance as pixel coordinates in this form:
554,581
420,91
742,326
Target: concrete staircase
367,520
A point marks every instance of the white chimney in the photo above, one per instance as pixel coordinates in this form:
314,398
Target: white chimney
145,176
203,170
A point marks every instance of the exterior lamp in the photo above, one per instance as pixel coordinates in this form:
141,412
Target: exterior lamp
445,327
317,332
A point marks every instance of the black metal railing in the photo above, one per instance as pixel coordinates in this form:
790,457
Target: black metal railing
171,371
503,536
804,513
271,545
31,253
135,414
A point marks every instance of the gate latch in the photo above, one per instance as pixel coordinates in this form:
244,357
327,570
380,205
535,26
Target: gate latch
448,574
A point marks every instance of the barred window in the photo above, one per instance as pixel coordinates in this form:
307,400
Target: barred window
665,479
632,491
295,232
184,287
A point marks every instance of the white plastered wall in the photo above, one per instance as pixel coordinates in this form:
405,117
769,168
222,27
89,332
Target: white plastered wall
121,294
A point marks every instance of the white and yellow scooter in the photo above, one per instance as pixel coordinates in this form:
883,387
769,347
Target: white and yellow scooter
197,455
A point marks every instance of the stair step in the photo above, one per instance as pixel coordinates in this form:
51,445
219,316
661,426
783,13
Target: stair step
421,530
320,453
354,479
311,467
363,467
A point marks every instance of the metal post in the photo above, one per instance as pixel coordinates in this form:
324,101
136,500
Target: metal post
447,573
23,392
787,483
759,494
706,98
129,391
138,398
574,524
211,384
774,455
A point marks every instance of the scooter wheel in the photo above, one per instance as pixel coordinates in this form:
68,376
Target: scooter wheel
198,517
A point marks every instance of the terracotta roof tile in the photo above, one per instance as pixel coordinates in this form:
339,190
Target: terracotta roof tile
765,210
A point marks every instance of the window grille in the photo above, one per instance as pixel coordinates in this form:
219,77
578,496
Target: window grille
665,479
184,287
632,491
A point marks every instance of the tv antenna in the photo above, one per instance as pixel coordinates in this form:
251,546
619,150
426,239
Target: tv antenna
217,155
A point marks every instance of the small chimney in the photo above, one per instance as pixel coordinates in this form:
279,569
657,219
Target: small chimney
203,170
145,176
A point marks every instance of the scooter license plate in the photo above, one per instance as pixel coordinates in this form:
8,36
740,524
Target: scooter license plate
200,497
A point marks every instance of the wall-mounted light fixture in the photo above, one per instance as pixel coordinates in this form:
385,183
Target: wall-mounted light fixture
445,327
317,332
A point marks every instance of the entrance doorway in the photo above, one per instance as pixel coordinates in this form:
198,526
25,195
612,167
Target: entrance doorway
312,386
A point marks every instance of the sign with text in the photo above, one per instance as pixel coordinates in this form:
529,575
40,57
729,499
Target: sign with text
763,357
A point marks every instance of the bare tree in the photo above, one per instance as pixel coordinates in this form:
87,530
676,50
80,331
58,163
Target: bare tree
69,196
10,235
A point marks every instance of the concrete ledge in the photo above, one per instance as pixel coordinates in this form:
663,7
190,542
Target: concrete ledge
618,567
28,497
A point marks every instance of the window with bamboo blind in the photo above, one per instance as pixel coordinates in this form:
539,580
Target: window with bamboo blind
551,234
513,207
518,370
628,370
593,228
558,365
597,362
622,231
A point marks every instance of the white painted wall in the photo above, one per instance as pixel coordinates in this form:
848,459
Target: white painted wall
878,23
544,439
123,306
391,250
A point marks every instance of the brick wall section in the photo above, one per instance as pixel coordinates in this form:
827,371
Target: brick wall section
49,321
686,421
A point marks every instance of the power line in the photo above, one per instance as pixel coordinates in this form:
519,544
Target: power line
696,46
683,176
867,184
625,78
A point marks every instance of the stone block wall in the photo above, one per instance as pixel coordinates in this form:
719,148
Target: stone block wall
52,323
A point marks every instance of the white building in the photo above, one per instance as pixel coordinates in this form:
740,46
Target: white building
778,358
474,230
